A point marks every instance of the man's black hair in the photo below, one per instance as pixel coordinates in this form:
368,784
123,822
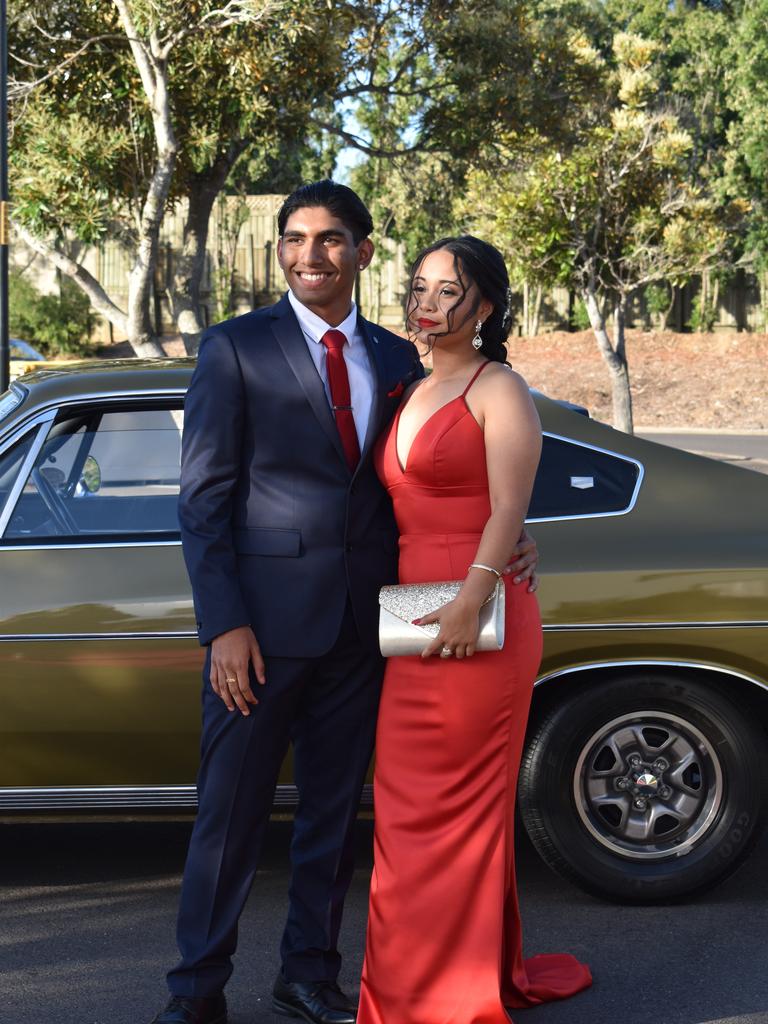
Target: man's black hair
339,200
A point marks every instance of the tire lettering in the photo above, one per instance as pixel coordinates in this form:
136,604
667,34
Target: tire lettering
735,836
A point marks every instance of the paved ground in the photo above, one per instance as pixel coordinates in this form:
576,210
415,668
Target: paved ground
749,450
86,930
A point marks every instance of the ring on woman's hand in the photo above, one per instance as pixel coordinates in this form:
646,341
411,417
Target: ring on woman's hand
230,679
446,653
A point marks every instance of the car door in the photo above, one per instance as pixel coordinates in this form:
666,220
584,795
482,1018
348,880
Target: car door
99,662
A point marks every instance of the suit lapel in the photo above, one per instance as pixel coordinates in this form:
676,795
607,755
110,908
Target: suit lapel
293,343
376,356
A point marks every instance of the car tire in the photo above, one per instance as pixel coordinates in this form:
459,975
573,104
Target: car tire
644,789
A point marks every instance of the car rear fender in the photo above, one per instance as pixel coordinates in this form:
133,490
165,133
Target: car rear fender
750,692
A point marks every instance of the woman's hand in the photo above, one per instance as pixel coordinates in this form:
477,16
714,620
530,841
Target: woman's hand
459,626
524,561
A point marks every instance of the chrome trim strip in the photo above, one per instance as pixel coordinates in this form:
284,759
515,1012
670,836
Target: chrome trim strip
604,451
92,545
43,427
177,634
188,634
59,798
95,797
576,627
652,663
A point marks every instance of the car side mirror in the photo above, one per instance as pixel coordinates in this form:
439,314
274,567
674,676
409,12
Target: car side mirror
91,478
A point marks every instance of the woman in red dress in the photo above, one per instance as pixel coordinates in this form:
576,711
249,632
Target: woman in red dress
444,944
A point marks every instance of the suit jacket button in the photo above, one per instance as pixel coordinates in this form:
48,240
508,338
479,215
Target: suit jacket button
347,547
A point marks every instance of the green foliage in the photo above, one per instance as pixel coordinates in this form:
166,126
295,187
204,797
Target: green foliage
52,194
658,298
489,71
84,146
233,213
703,315
55,324
746,163
612,142
615,212
580,317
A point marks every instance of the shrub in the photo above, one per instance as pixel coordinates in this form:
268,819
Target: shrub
703,316
55,324
580,317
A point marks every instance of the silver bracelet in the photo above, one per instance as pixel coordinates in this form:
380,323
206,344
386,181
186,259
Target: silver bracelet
488,568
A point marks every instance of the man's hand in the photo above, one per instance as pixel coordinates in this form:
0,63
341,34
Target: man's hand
231,655
525,558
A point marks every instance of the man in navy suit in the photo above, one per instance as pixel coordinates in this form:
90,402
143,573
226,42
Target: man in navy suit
288,536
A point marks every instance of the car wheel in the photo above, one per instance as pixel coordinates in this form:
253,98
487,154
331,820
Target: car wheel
643,789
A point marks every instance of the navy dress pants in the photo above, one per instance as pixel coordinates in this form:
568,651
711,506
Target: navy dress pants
326,708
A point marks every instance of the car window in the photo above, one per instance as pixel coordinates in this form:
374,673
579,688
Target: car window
104,474
575,479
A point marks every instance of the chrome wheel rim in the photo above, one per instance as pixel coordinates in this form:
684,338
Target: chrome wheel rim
648,785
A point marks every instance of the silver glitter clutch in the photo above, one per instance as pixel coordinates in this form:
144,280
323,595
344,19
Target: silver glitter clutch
399,605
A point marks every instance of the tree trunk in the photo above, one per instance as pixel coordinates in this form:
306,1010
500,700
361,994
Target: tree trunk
189,267
762,283
536,309
141,329
715,301
151,63
613,354
526,325
666,313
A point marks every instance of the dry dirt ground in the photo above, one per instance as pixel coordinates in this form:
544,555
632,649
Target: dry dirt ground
714,381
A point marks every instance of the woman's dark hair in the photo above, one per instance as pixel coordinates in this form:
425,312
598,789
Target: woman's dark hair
476,261
339,200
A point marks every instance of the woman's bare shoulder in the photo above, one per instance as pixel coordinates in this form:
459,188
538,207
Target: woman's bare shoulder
500,380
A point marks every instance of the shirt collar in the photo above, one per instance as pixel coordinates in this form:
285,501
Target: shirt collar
314,327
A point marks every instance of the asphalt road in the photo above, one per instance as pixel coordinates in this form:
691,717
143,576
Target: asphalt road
86,932
747,450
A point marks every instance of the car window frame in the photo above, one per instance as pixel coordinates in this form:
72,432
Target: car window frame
45,419
42,424
594,515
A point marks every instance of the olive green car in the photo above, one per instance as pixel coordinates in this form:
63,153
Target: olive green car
643,776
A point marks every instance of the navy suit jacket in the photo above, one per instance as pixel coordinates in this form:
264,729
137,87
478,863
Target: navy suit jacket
276,530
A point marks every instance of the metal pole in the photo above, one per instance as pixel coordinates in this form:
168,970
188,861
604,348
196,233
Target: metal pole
5,352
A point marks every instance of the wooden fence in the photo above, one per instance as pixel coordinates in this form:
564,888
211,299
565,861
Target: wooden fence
242,272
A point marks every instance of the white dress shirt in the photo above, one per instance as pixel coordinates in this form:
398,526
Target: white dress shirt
361,378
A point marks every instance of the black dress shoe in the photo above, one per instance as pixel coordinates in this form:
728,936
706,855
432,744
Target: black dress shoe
320,1002
194,1010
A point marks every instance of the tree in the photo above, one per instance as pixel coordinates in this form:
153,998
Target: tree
123,109
493,70
614,214
746,166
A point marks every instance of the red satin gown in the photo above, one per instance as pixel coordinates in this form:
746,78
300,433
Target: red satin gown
444,944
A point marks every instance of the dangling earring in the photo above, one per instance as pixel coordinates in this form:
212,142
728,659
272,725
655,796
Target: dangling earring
477,341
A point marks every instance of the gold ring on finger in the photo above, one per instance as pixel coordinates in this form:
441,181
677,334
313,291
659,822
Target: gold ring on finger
230,679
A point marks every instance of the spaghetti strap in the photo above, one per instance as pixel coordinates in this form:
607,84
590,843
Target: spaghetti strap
475,376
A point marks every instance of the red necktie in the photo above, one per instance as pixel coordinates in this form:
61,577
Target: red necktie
338,379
